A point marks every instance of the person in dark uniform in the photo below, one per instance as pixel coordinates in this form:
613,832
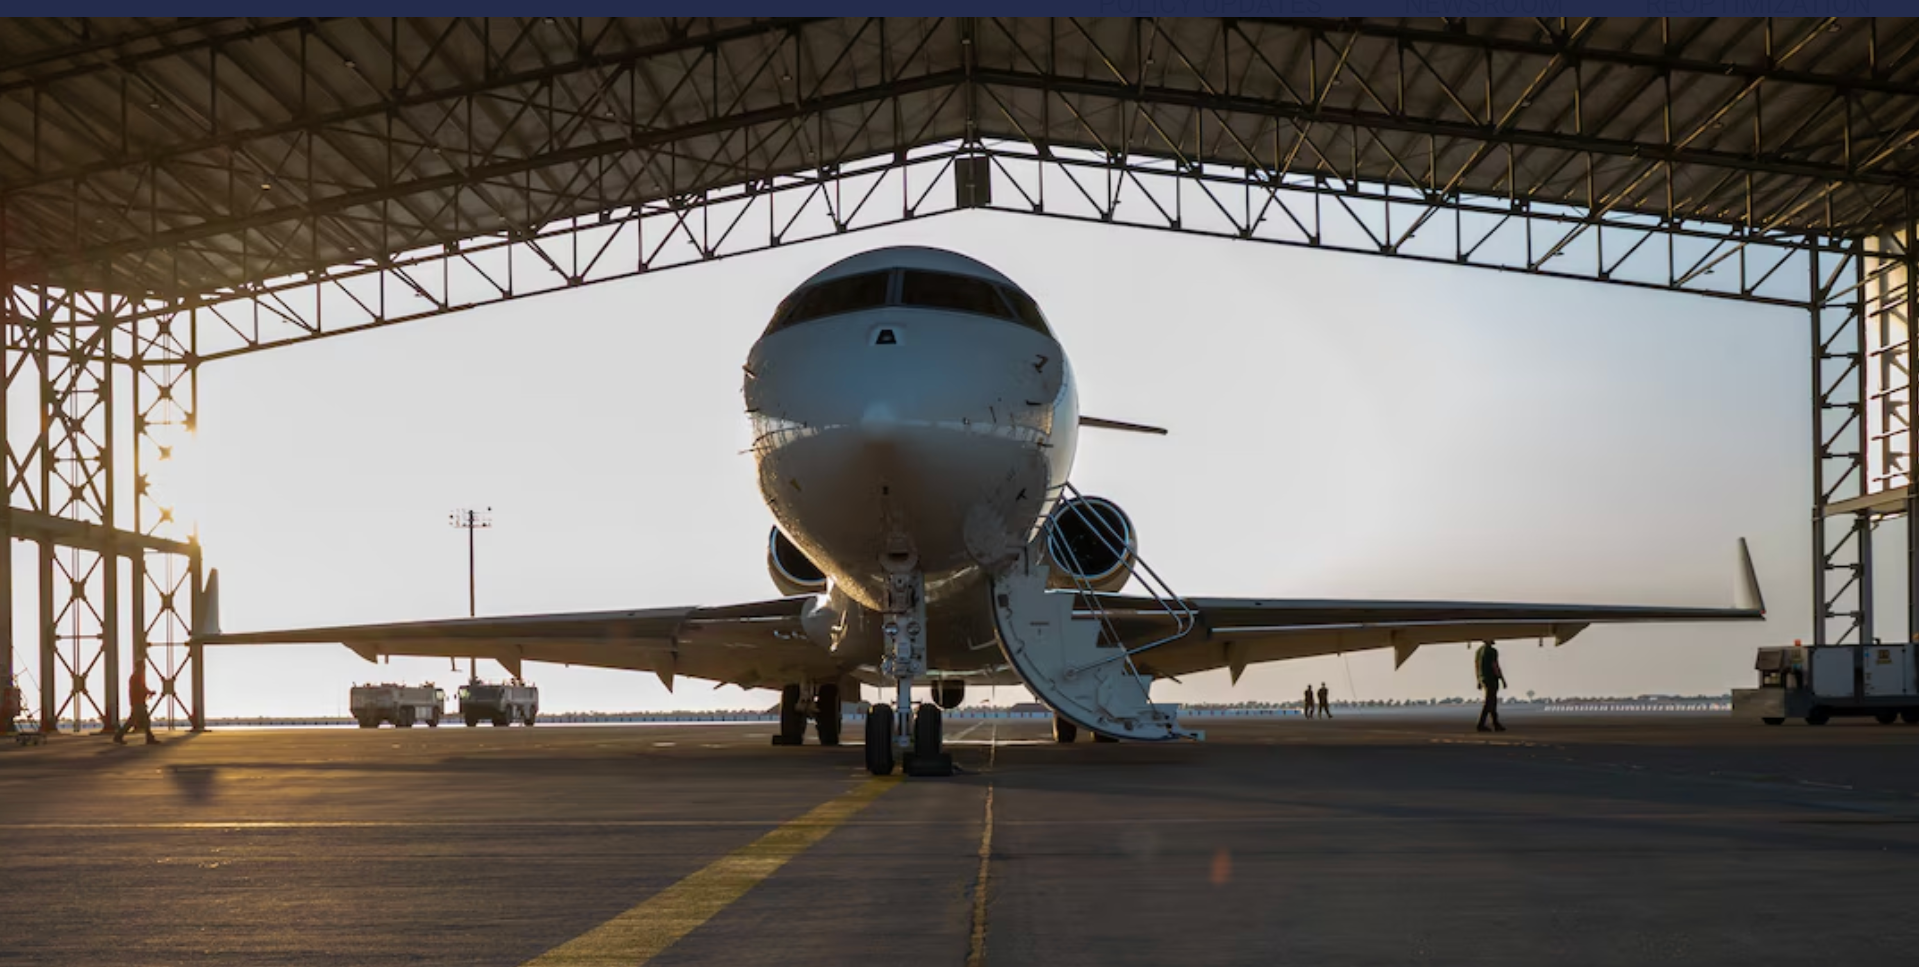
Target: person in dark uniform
1325,710
1308,703
1486,665
137,717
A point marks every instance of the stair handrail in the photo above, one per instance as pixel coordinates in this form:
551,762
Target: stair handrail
1185,616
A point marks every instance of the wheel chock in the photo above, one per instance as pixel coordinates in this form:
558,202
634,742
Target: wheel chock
940,764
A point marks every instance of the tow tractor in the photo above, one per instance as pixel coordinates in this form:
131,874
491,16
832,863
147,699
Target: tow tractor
1823,682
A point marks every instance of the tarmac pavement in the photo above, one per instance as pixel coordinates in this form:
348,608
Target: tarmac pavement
1367,839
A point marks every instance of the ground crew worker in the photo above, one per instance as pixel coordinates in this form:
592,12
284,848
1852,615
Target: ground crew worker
1325,711
1308,703
1486,666
137,717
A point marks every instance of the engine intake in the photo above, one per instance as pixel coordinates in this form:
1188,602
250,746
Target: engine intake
793,572
1091,543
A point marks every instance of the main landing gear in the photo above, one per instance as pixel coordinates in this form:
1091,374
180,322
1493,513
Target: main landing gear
889,732
824,709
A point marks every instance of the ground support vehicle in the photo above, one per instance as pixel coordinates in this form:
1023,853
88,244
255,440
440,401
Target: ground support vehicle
398,705
13,711
499,703
1824,682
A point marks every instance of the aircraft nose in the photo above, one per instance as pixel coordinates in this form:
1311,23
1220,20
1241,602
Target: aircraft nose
879,423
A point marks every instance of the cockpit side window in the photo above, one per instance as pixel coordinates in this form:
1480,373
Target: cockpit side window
958,293
1026,308
831,298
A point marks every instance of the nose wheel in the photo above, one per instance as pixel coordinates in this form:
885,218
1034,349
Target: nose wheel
879,740
927,758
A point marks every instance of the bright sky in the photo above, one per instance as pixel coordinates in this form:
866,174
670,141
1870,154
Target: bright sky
1342,425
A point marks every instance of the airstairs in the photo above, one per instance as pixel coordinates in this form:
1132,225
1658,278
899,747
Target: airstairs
1066,644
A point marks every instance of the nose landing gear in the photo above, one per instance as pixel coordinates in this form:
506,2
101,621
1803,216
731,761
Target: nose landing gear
879,740
915,737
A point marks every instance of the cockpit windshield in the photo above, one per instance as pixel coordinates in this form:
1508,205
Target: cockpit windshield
917,288
959,293
833,297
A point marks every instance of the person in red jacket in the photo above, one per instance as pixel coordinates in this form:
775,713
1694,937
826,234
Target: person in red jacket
137,717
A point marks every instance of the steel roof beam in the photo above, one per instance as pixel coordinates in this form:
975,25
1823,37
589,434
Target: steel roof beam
1259,107
253,30
654,139
320,123
89,45
1604,55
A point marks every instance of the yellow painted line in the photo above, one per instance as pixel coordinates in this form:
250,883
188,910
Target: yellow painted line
976,948
634,937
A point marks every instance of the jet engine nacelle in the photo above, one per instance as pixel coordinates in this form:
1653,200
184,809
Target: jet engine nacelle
1090,543
793,572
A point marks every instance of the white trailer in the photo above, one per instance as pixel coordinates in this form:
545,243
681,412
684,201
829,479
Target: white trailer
1821,683
398,705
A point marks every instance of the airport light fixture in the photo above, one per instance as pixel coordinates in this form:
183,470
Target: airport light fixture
471,521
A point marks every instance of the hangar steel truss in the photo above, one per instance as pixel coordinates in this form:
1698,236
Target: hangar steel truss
175,192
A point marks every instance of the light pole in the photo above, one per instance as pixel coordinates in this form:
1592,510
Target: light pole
471,520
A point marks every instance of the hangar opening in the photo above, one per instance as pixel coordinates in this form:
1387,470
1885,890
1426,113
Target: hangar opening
177,192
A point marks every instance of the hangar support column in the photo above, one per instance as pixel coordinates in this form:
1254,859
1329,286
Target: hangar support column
68,357
1841,539
1867,384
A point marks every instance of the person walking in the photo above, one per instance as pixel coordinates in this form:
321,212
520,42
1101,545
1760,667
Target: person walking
1491,679
1307,704
1325,710
137,717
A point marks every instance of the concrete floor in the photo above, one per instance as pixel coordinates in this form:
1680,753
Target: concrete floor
1371,839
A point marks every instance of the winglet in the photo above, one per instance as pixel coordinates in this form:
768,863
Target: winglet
206,611
1748,596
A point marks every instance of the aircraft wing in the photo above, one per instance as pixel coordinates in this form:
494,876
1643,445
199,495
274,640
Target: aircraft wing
1232,633
760,644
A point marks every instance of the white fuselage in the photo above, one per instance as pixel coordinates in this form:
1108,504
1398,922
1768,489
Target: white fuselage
937,438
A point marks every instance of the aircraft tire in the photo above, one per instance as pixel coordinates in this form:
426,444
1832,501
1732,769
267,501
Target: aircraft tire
879,740
826,714
926,731
1064,731
792,720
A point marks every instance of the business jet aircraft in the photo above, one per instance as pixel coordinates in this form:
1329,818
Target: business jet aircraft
915,422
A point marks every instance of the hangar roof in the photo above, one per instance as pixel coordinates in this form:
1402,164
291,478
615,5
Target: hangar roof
171,155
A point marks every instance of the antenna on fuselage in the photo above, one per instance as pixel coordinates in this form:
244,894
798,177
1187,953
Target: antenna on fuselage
1096,423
